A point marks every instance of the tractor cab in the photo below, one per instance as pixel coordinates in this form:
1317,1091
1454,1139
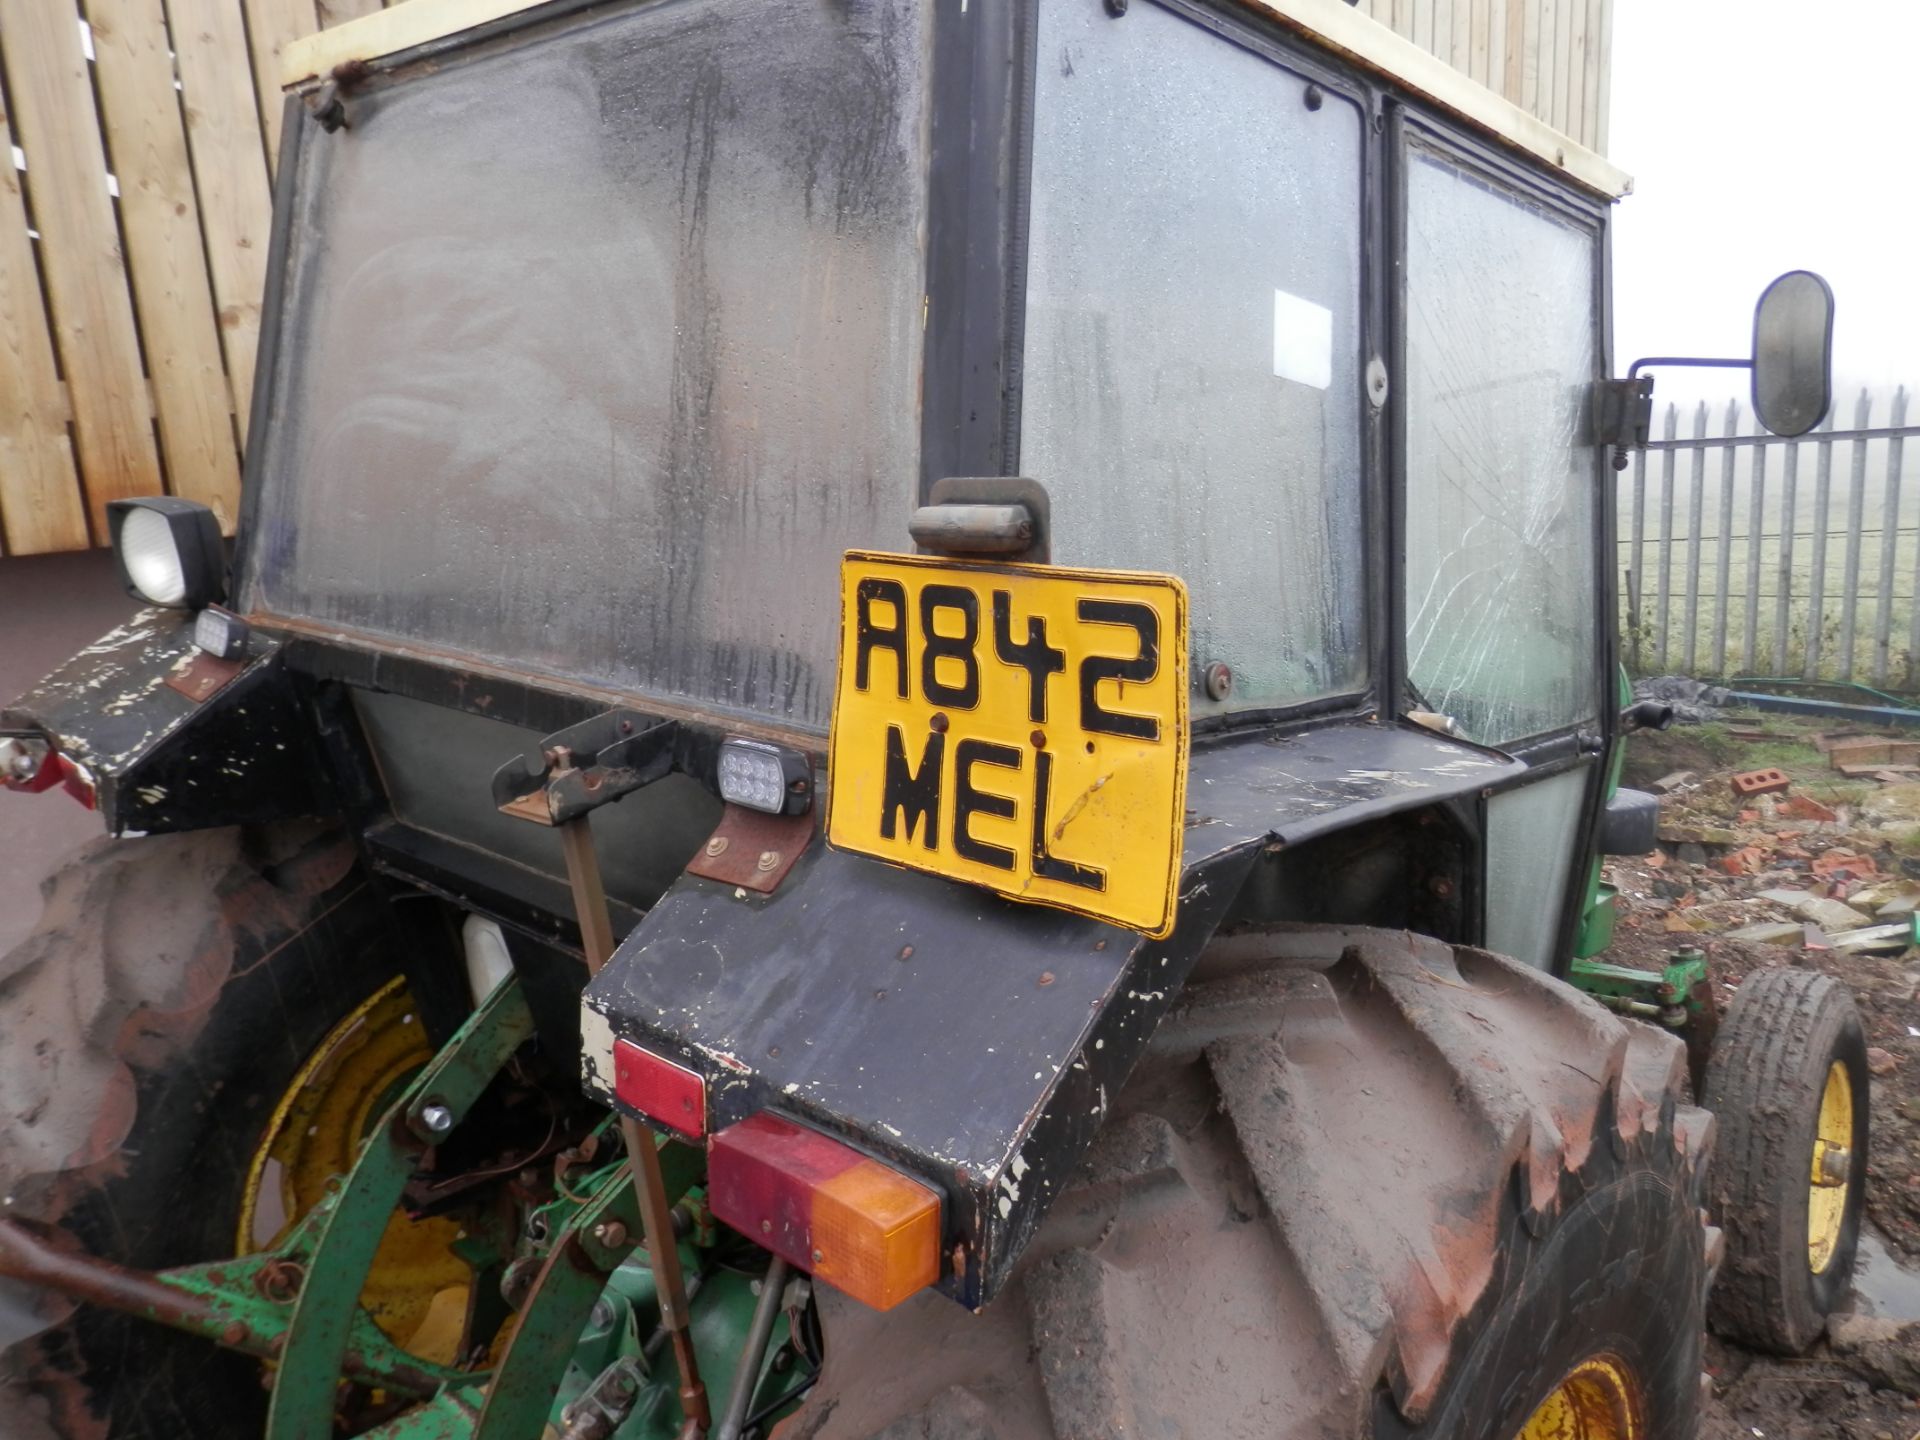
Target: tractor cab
849,560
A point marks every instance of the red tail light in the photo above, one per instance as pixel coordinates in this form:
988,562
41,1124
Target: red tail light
849,1220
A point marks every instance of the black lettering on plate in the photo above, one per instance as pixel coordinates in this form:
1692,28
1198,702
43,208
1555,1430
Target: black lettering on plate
938,647
1034,655
1144,665
868,636
1051,867
968,802
905,796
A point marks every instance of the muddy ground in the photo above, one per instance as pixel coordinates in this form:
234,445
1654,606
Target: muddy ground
1799,877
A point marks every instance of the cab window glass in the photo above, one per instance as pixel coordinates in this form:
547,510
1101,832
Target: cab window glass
601,344
1192,374
1501,489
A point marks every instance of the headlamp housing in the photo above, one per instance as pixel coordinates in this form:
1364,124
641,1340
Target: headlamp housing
169,551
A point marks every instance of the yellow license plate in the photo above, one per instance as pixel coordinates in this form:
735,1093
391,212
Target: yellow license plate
1020,727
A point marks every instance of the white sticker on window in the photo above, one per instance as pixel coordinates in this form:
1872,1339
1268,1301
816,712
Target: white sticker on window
1302,340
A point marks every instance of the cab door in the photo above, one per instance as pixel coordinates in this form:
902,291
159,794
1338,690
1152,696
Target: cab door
1502,600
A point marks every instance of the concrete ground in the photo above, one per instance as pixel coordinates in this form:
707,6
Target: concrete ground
50,606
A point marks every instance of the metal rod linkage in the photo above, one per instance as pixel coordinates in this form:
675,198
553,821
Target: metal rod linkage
656,1216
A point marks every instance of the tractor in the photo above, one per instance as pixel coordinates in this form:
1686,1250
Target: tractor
909,733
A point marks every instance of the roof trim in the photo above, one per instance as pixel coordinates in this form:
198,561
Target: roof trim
1333,23
386,32
1371,45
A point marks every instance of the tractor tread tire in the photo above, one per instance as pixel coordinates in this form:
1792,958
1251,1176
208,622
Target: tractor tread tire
1332,1165
1764,1082
148,1024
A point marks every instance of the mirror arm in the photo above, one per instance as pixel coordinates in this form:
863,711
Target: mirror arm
1650,361
1623,409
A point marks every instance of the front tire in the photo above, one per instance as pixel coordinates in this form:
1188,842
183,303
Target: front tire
1788,1083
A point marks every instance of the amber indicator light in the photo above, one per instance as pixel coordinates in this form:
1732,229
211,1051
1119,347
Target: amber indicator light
846,1218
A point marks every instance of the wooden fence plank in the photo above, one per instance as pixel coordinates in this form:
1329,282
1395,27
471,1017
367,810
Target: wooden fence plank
1565,21
1513,85
1594,59
1495,44
1536,80
170,289
80,248
229,159
40,507
1576,97
1472,56
1603,105
1458,40
271,26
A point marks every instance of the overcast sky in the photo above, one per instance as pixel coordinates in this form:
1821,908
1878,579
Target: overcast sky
1766,135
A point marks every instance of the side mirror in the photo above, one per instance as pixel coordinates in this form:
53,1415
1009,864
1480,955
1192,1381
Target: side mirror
1792,365
1793,353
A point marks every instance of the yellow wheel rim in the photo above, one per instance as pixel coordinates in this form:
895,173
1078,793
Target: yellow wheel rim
417,1289
1598,1401
1833,1161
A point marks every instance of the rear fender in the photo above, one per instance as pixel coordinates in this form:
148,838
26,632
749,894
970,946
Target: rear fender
973,1042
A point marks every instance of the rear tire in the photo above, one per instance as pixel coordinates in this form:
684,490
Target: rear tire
173,990
1773,1061
1365,1184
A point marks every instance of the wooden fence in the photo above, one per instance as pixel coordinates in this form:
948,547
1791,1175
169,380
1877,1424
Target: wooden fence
133,249
1552,58
1742,554
134,222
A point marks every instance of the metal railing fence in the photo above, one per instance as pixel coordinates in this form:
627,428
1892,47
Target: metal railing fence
1748,554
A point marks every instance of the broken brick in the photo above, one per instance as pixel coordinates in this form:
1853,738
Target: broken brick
1759,782
1835,861
1801,807
1745,861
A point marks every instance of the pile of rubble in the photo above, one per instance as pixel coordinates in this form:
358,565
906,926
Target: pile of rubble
1781,844
1761,857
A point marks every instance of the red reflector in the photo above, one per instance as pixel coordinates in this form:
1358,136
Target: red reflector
664,1092
845,1218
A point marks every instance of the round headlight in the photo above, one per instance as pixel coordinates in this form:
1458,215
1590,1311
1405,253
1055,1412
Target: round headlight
151,557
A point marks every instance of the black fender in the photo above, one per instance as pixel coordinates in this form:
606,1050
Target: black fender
974,1042
175,739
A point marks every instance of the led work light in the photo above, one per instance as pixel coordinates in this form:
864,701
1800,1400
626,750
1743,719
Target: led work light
220,633
764,777
169,551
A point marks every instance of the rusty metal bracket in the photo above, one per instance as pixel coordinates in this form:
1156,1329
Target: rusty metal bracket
203,676
585,766
752,850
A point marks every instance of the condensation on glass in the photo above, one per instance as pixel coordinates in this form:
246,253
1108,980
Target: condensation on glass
1502,352
601,347
1192,350
1530,838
